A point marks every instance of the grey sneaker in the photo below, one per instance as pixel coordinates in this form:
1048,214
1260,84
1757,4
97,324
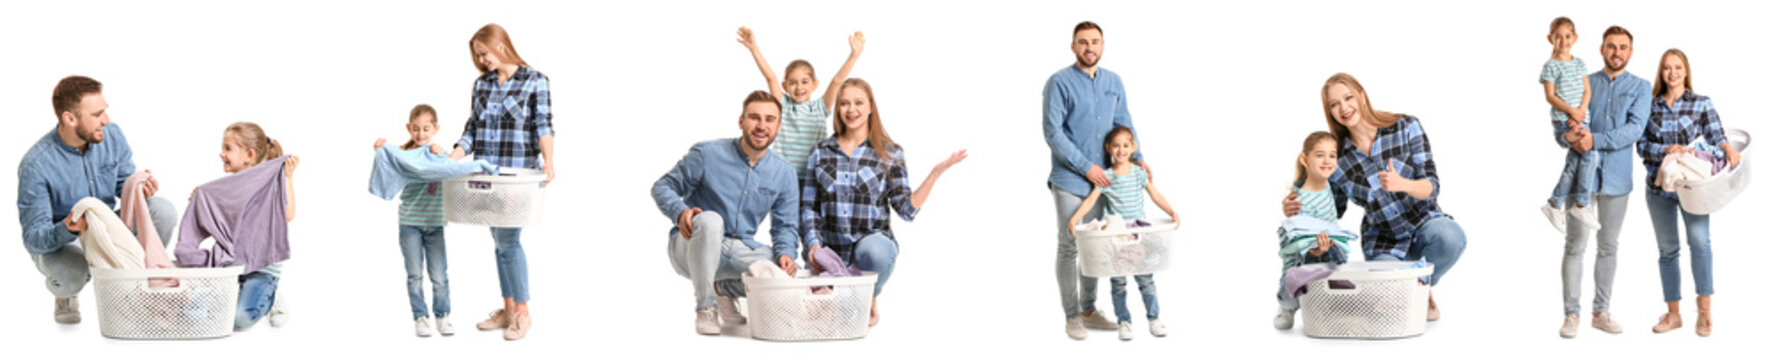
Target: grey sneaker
729,311
1604,322
1568,331
1095,320
707,322
1075,329
67,310
1283,319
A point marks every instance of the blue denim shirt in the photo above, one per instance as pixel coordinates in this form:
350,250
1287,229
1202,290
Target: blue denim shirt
1618,108
716,176
53,176
1078,111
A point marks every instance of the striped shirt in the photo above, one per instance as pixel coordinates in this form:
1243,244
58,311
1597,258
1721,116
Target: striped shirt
1317,204
421,204
1126,194
849,196
1391,217
1691,117
509,120
1567,77
803,126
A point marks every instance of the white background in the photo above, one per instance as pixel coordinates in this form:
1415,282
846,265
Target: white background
1222,95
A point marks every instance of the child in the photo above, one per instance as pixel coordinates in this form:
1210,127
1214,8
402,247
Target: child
421,231
1317,214
1125,200
1566,88
244,145
803,118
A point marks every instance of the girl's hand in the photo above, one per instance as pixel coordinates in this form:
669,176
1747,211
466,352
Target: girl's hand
855,42
1176,219
1323,245
437,149
289,166
1071,227
751,43
1391,181
952,159
380,142
1578,116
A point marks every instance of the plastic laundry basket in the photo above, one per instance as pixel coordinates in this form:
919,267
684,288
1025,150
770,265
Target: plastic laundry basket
1127,251
1386,301
513,198
199,306
1710,194
788,310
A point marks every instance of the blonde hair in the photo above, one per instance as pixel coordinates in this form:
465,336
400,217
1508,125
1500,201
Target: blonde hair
877,136
1311,141
1375,117
253,138
1686,81
422,109
489,35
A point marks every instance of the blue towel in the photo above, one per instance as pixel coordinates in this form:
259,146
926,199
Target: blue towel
394,168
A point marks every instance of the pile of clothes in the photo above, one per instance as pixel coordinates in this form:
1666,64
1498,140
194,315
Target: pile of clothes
1134,252
1702,163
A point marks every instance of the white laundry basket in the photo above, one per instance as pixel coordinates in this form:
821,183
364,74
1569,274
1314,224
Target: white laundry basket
200,306
1711,194
1386,301
513,198
1125,251
788,310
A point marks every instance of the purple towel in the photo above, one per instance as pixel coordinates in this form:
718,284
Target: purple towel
832,264
1298,277
244,213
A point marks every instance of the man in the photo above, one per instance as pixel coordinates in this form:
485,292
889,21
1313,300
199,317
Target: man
717,195
1081,104
85,156
1618,109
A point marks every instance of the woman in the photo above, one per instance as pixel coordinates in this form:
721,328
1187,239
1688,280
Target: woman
1403,214
853,178
1679,118
511,125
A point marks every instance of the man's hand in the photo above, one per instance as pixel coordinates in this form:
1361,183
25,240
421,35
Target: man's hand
683,221
787,264
75,224
1097,176
1290,206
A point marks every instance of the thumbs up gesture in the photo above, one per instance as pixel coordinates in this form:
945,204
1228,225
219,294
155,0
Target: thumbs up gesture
1390,180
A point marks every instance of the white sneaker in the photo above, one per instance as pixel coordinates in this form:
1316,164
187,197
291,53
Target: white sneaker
1096,320
729,311
707,323
1605,323
1283,319
1556,216
1075,329
1158,329
1587,216
444,327
278,316
67,310
1126,331
1568,331
422,327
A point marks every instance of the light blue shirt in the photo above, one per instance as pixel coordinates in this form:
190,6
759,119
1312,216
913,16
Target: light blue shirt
53,176
1078,111
1618,108
716,176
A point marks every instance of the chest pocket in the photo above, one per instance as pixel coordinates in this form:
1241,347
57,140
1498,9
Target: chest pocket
870,184
759,202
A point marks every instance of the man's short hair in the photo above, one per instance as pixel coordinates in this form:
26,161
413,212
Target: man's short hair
762,96
1616,30
69,91
1086,26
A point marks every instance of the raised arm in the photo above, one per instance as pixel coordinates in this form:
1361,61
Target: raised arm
842,73
769,76
929,182
289,205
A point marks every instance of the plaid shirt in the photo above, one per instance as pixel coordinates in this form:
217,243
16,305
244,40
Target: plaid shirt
509,120
846,196
1391,217
1691,116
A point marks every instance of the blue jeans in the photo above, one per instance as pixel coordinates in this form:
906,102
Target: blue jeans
1662,217
1117,286
422,247
257,292
1580,170
1438,240
513,266
1077,293
876,253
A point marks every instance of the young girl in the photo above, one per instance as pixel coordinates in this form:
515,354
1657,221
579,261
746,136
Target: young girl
1125,200
803,118
244,145
1311,181
421,231
1566,87
512,126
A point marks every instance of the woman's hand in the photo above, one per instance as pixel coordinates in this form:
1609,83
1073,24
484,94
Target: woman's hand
1323,245
1731,155
457,154
1391,181
548,168
952,159
1673,150
380,142
809,259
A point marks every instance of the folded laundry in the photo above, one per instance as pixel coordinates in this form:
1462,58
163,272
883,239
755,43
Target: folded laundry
394,168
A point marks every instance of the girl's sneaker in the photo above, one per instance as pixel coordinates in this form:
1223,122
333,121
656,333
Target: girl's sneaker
278,316
444,327
422,327
1158,329
1553,214
1587,216
1126,331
